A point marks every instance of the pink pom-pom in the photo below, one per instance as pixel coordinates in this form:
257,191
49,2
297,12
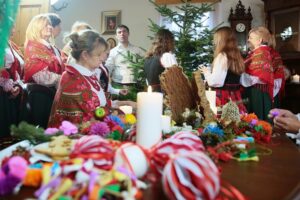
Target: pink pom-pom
95,148
191,176
190,138
12,173
163,151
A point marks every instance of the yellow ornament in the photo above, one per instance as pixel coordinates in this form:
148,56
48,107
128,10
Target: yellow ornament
130,119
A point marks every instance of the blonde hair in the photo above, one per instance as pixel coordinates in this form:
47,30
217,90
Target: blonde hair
263,34
225,42
35,27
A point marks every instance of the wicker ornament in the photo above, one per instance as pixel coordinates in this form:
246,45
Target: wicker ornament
191,176
208,114
178,91
96,148
230,113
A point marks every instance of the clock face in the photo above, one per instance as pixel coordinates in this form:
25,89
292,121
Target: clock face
240,27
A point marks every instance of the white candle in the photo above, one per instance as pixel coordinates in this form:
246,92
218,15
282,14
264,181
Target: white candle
296,78
166,123
126,109
211,97
149,111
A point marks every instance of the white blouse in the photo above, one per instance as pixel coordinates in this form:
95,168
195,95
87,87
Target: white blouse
217,77
168,60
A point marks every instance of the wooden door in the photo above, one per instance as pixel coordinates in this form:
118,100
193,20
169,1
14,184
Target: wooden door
27,10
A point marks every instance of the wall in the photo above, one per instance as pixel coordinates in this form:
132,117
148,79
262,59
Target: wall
135,14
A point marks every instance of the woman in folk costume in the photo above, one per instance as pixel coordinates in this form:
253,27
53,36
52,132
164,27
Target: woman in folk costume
279,73
79,92
10,86
227,67
259,76
55,21
159,57
42,65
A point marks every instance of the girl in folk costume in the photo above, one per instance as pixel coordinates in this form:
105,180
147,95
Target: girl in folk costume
227,67
42,65
10,86
104,78
159,57
79,92
259,76
279,73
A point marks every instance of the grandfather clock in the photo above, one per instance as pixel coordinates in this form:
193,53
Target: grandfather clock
240,22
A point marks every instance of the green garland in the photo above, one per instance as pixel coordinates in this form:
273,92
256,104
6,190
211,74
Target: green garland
8,12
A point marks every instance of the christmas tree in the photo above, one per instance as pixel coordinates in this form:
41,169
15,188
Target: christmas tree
193,40
8,12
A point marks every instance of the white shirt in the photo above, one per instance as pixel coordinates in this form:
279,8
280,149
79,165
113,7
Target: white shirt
86,72
117,64
217,77
168,59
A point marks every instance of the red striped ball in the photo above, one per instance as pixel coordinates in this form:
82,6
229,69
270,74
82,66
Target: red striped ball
191,176
96,148
190,138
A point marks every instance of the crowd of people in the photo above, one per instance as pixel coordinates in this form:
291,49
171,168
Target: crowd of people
85,73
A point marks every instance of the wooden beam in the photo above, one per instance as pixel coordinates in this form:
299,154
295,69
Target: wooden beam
180,1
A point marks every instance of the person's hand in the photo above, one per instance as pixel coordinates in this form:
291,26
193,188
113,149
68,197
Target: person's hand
286,124
123,92
281,113
15,91
203,69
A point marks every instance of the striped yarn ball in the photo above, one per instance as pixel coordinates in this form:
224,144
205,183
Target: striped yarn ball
191,176
96,148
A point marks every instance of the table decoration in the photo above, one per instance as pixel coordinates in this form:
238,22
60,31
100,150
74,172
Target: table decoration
191,176
211,97
132,157
166,123
149,111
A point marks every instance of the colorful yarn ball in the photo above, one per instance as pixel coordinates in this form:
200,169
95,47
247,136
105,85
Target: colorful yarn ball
12,174
161,154
133,158
189,138
96,148
191,176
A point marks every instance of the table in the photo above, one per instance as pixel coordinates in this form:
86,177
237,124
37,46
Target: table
275,176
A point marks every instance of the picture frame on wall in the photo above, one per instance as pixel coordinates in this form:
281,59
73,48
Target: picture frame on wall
109,21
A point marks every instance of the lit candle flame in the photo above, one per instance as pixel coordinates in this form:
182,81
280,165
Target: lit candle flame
149,89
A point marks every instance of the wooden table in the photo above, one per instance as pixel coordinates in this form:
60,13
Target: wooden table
275,176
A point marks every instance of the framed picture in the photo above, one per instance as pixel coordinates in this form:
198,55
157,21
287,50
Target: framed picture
111,42
286,29
109,21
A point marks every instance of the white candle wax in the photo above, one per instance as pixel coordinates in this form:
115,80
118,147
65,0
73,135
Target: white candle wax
166,123
126,109
211,97
149,111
